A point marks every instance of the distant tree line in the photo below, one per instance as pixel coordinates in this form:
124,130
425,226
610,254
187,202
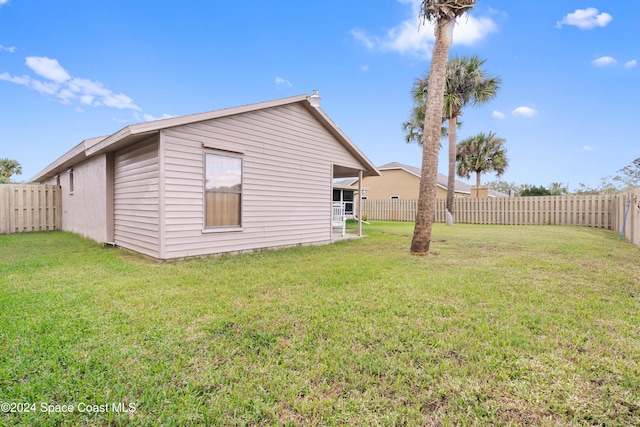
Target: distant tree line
626,178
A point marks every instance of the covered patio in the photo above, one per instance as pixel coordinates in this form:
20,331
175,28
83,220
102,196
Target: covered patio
343,201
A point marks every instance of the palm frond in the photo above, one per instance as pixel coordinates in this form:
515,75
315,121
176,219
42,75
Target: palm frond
434,10
466,83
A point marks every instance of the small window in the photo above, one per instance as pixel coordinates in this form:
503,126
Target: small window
70,180
223,190
364,197
394,197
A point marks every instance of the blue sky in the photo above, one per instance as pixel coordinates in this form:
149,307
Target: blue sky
568,107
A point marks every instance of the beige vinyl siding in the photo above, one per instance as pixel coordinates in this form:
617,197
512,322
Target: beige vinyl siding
136,198
393,182
288,159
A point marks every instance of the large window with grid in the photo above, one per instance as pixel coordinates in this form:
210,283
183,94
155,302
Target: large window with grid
223,191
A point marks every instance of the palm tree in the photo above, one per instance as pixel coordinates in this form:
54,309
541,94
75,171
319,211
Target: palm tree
443,13
466,83
481,154
9,167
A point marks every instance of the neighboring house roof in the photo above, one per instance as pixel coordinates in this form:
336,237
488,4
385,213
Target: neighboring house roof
346,184
461,187
137,132
494,193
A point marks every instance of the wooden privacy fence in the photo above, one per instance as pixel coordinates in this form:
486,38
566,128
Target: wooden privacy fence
626,215
591,211
29,207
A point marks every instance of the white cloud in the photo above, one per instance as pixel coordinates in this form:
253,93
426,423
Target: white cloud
3,2
363,38
471,30
59,83
587,148
498,115
282,82
47,68
94,93
66,96
410,37
524,112
149,118
86,99
119,100
87,87
631,64
21,80
586,19
47,88
7,48
604,61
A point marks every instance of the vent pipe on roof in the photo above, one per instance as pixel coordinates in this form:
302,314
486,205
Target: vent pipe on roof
315,99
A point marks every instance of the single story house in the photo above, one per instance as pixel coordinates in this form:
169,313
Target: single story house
400,181
231,180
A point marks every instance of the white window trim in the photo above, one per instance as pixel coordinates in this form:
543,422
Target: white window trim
228,149
223,228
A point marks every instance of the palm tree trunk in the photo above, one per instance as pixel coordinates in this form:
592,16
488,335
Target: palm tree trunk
451,181
430,147
478,184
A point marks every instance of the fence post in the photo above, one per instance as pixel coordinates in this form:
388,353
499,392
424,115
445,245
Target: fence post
4,209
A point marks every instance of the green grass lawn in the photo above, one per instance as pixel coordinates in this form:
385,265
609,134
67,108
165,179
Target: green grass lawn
503,325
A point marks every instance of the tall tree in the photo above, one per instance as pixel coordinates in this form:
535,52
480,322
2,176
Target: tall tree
535,191
481,154
443,14
505,187
466,83
8,168
558,189
629,175
608,185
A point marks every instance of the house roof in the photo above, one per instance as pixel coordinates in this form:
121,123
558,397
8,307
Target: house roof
137,132
461,187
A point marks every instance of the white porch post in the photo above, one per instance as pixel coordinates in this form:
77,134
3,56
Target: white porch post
359,204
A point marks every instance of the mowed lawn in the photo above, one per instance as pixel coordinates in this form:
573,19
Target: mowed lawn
503,325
